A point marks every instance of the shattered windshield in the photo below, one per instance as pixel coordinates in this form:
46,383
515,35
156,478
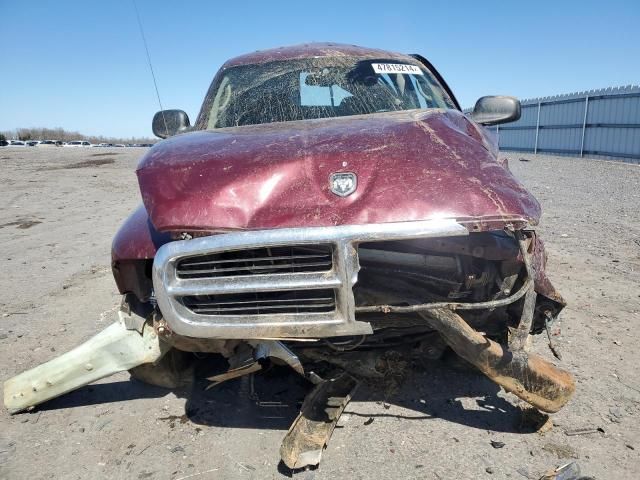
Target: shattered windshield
326,87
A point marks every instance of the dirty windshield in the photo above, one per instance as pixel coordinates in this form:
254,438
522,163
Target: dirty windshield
325,87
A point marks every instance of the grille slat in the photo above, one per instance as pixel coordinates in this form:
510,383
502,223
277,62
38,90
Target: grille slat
292,301
254,268
197,305
260,259
255,261
295,309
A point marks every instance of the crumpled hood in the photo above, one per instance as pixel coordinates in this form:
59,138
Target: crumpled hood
415,165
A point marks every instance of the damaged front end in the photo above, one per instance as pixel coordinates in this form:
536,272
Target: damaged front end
341,295
430,284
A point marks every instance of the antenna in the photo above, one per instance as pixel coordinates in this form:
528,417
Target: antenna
146,48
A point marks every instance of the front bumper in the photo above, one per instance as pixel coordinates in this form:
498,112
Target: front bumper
171,290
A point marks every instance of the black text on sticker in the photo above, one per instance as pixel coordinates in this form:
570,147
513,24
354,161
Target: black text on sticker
396,68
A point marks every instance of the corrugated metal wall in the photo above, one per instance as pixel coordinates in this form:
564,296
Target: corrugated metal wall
598,123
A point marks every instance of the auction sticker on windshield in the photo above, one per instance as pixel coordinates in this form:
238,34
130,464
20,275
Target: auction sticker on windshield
396,68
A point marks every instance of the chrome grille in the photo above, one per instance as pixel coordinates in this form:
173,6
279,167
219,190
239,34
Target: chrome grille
257,261
278,283
257,303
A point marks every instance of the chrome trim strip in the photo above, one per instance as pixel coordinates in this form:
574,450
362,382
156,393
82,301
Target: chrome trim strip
252,283
344,274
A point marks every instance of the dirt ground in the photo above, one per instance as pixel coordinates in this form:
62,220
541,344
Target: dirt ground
60,210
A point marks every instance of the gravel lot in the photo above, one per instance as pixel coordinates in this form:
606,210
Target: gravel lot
61,208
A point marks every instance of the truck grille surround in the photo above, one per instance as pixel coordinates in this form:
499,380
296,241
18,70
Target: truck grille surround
281,283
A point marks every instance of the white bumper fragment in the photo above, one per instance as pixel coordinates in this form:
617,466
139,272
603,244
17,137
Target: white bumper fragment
113,350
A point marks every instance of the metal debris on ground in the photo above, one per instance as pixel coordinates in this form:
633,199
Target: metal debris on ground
303,444
552,344
233,373
570,471
583,431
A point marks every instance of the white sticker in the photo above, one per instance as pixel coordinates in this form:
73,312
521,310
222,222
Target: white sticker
396,68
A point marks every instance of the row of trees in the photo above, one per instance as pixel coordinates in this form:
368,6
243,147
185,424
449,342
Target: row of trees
67,136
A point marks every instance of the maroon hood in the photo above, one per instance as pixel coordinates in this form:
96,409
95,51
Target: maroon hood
414,165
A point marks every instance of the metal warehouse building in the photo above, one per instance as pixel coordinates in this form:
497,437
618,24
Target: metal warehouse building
597,123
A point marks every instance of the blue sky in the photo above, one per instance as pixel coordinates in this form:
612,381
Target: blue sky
81,64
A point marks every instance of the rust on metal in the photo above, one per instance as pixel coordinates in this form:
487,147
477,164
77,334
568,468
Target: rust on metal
304,442
528,376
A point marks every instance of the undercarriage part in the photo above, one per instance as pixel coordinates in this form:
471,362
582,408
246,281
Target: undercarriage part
528,376
384,370
113,350
360,364
247,361
233,373
303,444
345,346
173,370
200,345
518,340
275,349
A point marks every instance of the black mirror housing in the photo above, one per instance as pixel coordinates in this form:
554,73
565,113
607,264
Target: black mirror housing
494,110
167,123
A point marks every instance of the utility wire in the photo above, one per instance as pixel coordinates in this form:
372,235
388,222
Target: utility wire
155,84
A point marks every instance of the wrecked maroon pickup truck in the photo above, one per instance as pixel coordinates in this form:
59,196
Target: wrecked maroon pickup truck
330,205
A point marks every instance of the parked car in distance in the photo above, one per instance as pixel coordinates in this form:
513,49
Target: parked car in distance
32,143
16,143
48,143
78,143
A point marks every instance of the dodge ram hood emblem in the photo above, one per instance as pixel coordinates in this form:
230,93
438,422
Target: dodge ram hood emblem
343,183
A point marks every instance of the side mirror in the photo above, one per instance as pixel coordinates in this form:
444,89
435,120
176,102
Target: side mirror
494,110
167,123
